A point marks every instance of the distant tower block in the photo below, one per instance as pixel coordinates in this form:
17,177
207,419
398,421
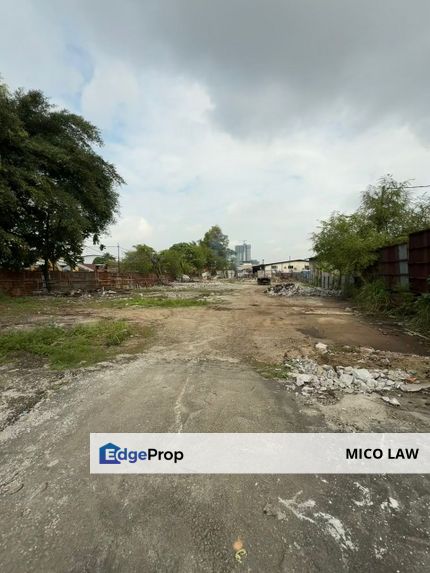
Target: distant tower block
243,253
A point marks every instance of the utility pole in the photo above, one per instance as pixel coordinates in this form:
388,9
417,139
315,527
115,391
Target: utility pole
119,261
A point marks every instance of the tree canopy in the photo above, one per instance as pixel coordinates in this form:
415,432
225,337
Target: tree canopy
218,255
142,259
55,190
387,213
184,258
209,254
105,259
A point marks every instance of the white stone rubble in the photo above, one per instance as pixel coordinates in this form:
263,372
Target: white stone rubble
310,376
392,401
297,289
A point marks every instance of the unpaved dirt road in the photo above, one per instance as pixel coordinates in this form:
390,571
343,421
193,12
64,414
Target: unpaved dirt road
198,376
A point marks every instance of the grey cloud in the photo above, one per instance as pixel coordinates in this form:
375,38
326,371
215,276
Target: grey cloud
277,64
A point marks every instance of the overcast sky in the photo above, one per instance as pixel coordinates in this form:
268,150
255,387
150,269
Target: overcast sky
260,116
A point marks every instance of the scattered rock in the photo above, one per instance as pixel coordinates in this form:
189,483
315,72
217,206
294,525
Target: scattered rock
415,387
321,347
297,289
392,401
302,379
308,375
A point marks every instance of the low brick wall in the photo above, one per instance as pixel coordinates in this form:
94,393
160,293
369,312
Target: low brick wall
25,283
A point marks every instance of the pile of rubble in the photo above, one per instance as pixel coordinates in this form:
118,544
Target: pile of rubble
309,376
297,289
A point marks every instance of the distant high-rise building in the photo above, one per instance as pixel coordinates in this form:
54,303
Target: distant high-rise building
243,253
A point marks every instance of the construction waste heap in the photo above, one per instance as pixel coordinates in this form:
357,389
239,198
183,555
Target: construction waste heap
297,289
308,376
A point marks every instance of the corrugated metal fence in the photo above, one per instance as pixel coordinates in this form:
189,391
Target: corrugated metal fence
406,265
392,265
419,261
323,279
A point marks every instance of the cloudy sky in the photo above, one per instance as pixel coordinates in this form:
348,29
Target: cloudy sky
260,116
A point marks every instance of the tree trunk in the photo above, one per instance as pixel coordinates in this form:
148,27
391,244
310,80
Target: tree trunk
45,272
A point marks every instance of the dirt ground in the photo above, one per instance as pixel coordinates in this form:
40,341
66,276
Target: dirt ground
200,372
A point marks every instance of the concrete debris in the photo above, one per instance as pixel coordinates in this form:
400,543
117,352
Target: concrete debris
297,289
392,401
275,511
415,387
321,347
309,376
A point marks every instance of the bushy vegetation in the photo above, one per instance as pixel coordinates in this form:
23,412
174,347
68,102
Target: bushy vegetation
68,347
388,212
421,318
373,297
209,254
348,245
399,303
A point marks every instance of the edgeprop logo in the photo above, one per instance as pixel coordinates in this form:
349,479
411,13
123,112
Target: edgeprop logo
112,454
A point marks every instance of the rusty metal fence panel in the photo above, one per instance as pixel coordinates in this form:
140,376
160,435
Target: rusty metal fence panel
392,265
419,261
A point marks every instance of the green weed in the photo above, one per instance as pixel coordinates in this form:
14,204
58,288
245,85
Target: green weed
272,371
421,320
153,302
20,306
68,347
373,297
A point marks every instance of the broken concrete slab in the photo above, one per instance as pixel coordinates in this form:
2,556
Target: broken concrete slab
392,401
298,289
415,386
306,372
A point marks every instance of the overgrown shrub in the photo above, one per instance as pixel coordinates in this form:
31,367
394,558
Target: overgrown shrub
403,302
421,319
374,297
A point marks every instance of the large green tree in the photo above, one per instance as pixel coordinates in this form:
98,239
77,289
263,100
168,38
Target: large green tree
216,251
192,256
345,243
56,191
390,209
211,253
387,213
141,259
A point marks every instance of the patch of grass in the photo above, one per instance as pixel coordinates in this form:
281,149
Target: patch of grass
153,302
11,304
69,347
19,306
272,371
